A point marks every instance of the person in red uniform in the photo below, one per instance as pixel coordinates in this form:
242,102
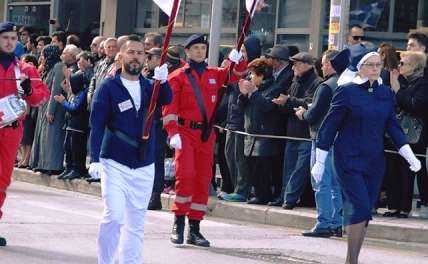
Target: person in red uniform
195,89
33,91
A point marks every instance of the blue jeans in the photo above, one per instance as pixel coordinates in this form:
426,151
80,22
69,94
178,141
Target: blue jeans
296,170
328,197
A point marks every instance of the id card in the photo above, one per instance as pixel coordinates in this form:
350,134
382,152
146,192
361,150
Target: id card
125,105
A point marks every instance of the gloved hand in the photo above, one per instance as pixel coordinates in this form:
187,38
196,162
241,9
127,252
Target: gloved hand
25,87
95,170
407,153
235,56
161,73
319,166
175,142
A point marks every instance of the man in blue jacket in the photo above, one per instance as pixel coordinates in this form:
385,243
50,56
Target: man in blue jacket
118,157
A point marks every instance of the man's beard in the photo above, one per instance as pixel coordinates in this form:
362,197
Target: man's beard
132,70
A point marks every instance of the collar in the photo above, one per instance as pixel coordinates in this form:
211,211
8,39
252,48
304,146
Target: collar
306,75
359,80
278,72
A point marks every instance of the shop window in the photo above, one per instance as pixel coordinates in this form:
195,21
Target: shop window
294,13
301,41
369,14
405,15
145,14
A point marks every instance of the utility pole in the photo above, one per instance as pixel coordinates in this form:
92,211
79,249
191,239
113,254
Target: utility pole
215,32
339,21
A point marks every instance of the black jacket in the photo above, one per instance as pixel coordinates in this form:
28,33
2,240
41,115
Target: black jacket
301,94
413,99
261,117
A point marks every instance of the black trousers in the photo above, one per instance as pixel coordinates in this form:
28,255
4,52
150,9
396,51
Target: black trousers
260,176
227,185
78,142
400,179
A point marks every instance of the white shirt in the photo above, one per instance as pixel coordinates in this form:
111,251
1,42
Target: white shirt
134,90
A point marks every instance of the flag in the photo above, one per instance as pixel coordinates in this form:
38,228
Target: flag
166,5
260,4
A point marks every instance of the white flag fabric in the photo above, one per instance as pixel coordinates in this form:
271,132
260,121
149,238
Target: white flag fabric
260,4
166,5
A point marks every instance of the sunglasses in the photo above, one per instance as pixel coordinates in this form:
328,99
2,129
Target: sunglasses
358,38
402,63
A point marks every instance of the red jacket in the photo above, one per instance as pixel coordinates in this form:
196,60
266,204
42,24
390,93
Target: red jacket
184,103
40,92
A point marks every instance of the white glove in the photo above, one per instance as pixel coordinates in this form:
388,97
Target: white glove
175,142
235,56
161,73
319,166
407,153
95,170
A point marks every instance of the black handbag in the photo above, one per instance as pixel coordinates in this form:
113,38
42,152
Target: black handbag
412,126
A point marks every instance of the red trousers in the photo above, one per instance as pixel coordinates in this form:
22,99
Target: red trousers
9,142
193,172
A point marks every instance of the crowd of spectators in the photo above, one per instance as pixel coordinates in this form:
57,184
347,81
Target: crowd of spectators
281,92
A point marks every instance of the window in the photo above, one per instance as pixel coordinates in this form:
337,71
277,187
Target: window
301,41
405,15
294,13
371,15
145,14
36,16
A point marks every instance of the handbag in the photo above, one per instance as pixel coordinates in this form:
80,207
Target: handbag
412,126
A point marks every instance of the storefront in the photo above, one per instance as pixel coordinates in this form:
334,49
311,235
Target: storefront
74,16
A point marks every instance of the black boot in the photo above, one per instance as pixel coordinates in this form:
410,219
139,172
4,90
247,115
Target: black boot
195,237
155,202
2,242
177,233
74,174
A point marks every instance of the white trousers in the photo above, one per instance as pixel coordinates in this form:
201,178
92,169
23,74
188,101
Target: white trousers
126,194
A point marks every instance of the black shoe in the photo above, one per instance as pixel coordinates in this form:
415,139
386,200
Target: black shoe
337,232
195,237
391,214
288,206
155,202
3,242
72,175
403,215
177,233
317,233
91,180
256,200
276,202
63,174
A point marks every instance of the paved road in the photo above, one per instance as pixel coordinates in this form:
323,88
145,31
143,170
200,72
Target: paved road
46,226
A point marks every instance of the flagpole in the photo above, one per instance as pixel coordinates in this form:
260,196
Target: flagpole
156,85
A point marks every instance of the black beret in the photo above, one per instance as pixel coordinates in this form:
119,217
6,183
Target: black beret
195,39
7,27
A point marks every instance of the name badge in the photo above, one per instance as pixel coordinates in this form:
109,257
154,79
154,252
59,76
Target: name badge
212,81
125,105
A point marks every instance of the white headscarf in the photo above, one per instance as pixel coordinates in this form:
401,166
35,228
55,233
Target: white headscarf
351,76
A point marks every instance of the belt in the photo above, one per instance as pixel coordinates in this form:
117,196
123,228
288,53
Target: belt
122,136
190,124
13,125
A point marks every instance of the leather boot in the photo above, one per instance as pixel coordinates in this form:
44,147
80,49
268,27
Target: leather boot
195,237
2,242
177,233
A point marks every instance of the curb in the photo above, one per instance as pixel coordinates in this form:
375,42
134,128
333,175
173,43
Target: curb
402,230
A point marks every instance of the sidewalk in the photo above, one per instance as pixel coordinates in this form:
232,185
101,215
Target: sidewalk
404,230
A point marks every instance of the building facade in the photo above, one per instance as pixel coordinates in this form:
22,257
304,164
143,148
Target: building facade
303,23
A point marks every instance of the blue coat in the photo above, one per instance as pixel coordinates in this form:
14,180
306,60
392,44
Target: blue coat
106,113
355,126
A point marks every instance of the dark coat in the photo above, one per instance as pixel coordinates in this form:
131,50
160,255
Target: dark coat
261,117
413,99
320,105
301,94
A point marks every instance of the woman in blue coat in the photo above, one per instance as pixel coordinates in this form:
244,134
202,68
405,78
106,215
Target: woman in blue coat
361,112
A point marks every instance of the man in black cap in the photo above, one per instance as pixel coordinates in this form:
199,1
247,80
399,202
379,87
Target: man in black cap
188,121
328,194
297,153
17,78
283,76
